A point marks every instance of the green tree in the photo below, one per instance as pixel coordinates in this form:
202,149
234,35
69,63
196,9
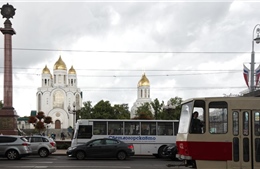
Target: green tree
144,112
86,111
157,107
39,121
172,110
103,110
121,111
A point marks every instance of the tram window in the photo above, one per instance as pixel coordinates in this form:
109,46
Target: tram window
100,128
245,124
115,128
235,123
236,149
246,149
218,117
257,123
197,124
257,149
148,128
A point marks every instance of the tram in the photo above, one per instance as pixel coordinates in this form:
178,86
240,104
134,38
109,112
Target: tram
228,135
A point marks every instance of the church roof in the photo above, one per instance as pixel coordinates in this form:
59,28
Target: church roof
46,70
60,65
72,70
144,81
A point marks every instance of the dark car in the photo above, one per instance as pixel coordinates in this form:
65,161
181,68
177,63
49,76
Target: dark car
42,145
14,147
102,148
170,151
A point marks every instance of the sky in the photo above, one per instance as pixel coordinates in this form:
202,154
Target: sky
186,48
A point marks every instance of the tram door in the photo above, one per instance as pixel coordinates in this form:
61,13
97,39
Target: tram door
246,139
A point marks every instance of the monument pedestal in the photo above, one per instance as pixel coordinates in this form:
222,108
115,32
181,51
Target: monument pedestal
8,121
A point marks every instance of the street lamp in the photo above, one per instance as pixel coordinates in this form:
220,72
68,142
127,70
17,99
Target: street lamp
74,113
257,40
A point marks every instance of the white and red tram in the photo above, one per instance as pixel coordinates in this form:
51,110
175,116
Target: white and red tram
229,137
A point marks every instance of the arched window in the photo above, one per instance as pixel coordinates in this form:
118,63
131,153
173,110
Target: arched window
58,99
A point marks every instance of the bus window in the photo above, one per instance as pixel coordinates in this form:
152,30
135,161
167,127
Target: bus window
84,131
165,128
100,128
218,117
148,128
115,128
132,128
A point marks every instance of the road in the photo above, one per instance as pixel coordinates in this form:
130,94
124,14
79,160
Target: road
64,162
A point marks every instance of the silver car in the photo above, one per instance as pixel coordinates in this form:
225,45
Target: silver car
42,145
14,147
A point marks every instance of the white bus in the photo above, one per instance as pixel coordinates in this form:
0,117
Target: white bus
149,137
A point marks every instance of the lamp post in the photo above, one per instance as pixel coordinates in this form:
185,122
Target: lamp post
73,112
257,40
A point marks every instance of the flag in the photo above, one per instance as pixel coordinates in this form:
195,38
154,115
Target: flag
257,75
246,74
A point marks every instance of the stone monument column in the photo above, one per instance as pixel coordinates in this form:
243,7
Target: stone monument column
8,116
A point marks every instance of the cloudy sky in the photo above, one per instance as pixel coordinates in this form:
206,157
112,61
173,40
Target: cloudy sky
186,48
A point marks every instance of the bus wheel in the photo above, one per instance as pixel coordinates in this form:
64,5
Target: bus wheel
80,155
121,155
160,152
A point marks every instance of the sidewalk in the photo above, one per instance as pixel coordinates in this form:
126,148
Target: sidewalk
60,152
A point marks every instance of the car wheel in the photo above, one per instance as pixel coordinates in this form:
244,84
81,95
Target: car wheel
80,155
160,152
43,152
12,155
121,155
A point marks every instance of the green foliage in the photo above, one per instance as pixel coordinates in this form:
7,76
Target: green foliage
103,110
86,110
173,111
157,107
144,112
121,111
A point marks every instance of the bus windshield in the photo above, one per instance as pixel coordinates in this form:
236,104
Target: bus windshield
186,111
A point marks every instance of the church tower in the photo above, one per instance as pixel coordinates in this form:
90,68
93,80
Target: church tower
143,94
58,92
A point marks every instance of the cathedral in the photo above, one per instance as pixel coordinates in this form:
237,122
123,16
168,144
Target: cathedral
143,95
59,97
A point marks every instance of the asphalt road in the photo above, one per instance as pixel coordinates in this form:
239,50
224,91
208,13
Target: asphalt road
64,162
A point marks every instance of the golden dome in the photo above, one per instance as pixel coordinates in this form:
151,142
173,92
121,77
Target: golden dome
72,70
60,65
144,81
46,70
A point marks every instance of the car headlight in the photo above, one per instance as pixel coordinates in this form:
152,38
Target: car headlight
71,148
